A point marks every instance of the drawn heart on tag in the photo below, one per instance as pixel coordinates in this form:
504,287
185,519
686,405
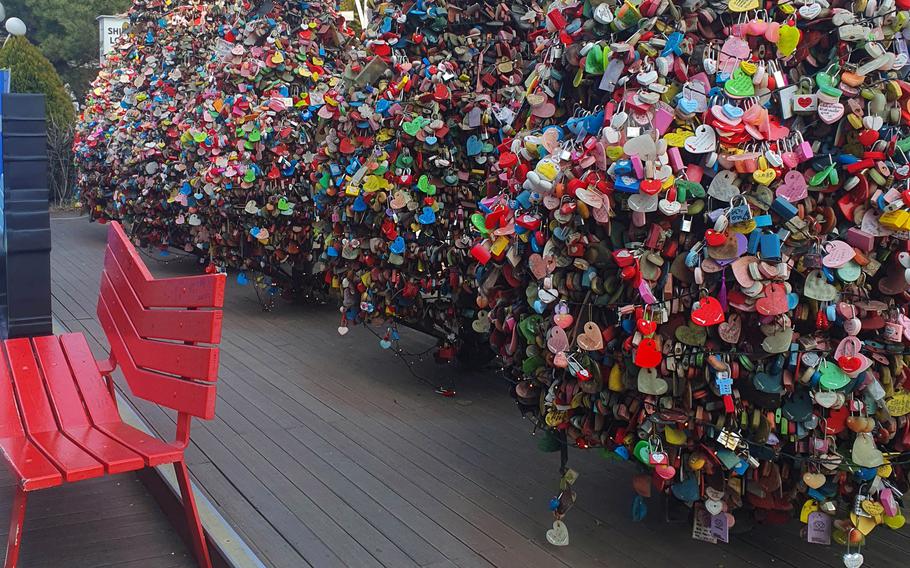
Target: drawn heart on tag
648,355
730,330
714,507
794,187
559,534
723,187
557,340
817,287
830,112
774,300
591,339
703,141
707,312
814,480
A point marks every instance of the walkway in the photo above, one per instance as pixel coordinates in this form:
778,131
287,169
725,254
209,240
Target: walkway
326,452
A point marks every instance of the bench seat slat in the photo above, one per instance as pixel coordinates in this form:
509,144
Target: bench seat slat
31,467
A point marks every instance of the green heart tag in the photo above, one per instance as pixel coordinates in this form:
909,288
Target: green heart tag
424,185
686,188
528,327
477,219
642,452
594,60
199,137
831,376
410,127
325,179
255,135
740,84
283,204
249,176
693,336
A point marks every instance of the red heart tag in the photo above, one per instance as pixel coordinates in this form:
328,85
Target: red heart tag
650,186
715,238
646,327
868,137
648,356
774,300
709,312
849,363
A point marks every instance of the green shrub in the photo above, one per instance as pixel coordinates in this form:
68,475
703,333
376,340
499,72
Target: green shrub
31,72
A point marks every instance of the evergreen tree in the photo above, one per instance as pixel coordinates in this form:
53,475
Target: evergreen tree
31,72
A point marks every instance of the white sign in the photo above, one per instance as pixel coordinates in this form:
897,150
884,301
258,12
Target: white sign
109,29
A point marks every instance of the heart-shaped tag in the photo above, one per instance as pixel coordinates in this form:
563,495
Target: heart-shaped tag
558,535
794,187
707,311
591,339
730,330
557,340
724,186
773,301
703,141
830,112
814,480
714,507
864,452
648,355
817,287
650,383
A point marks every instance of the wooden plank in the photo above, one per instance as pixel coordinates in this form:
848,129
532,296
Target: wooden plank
189,361
176,324
201,291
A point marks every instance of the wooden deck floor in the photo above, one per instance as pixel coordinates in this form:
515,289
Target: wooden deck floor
326,452
110,521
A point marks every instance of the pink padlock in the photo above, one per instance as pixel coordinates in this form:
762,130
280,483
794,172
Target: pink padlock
638,167
663,117
695,173
675,159
803,149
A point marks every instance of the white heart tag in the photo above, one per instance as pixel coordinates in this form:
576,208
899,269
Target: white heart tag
703,141
559,534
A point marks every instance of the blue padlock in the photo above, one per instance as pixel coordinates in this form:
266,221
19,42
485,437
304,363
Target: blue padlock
784,208
770,246
753,242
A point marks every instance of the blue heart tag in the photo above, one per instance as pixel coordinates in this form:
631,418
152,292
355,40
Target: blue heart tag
397,246
428,217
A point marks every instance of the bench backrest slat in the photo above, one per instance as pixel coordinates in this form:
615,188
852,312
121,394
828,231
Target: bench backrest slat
153,327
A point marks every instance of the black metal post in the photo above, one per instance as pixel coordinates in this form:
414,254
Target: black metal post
26,218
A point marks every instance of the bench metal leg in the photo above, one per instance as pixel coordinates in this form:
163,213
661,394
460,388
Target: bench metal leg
192,515
17,520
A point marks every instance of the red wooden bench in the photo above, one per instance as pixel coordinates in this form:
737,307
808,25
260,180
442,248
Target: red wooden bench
58,415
